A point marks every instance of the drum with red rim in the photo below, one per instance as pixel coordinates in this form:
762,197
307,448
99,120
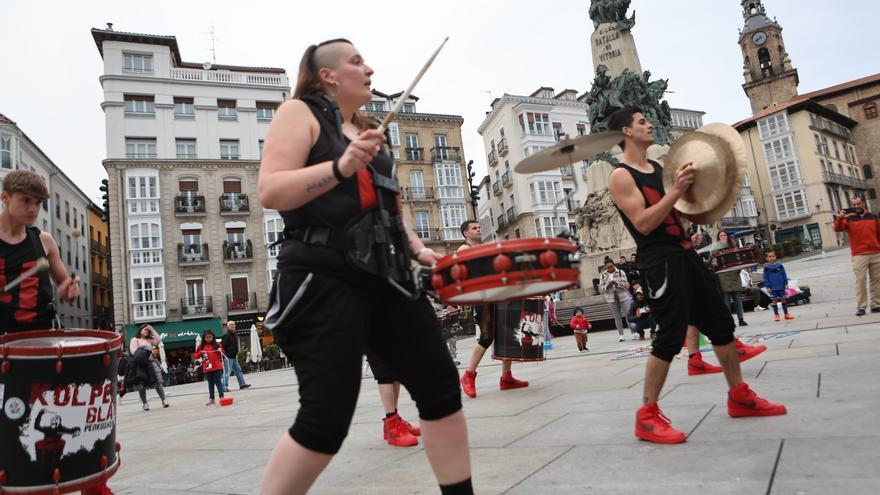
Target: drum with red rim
58,418
735,258
519,329
507,270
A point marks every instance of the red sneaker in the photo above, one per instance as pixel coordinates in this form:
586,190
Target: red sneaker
747,352
696,366
469,383
508,382
742,402
789,316
653,426
413,430
397,434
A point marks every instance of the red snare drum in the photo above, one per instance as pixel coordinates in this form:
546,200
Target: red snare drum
507,270
58,422
519,330
735,258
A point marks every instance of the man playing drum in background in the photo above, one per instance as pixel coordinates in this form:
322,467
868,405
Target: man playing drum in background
484,316
28,306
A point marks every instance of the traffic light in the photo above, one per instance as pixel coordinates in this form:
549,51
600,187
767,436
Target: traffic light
105,189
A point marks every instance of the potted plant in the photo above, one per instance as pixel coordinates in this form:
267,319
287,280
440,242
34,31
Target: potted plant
273,354
242,357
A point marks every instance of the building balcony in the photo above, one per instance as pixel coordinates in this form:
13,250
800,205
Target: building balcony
843,180
572,204
193,254
507,179
228,77
100,280
413,154
493,158
187,204
446,154
567,172
511,214
241,302
496,188
148,311
234,204
416,194
503,149
502,221
238,252
100,249
835,129
735,222
196,307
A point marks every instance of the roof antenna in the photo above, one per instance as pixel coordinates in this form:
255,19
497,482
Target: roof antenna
213,46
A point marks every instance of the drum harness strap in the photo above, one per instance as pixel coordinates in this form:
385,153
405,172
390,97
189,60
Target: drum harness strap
368,241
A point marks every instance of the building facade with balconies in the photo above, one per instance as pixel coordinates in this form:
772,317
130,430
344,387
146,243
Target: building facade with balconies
430,169
188,246
62,215
513,205
99,251
803,170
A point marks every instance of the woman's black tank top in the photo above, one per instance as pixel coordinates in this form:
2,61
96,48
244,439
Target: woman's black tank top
669,238
335,208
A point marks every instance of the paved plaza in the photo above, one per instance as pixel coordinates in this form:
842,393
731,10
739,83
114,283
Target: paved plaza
572,430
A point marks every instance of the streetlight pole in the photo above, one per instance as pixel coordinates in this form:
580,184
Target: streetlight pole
474,192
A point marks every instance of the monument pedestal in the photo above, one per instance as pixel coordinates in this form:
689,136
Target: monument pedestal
615,49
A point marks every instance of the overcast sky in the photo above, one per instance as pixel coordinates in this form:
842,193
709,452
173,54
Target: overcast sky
50,64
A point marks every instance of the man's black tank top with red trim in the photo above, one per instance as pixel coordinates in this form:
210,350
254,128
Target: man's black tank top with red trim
28,306
335,208
669,238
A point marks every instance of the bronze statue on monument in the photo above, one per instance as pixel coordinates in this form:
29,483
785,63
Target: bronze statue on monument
612,11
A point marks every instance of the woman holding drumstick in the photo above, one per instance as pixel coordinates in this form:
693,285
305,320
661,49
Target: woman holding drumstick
319,158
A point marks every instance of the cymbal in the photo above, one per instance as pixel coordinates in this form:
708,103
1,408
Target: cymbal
569,151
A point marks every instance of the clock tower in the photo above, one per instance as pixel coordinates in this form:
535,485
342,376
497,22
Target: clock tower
769,76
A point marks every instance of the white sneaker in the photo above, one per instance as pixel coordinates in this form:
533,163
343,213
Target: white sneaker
760,308
634,337
621,339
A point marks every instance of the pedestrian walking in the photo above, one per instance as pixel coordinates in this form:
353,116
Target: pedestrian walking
229,341
143,369
614,286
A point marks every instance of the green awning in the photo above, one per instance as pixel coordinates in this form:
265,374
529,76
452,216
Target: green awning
179,331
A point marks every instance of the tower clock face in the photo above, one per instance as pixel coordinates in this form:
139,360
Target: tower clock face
759,38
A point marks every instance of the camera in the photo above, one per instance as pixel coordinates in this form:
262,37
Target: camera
853,211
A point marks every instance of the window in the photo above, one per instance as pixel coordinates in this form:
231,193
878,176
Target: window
784,175
137,63
549,226
6,152
409,108
836,150
777,150
544,192
581,129
869,174
236,241
148,298
417,184
186,149
375,106
57,206
265,111
773,125
75,214
870,110
413,152
140,148
67,213
818,143
143,195
394,130
791,204
449,181
423,228
226,110
749,207
184,108
195,293
145,243
535,124
229,149
260,148
441,149
558,133
140,105
453,216
274,228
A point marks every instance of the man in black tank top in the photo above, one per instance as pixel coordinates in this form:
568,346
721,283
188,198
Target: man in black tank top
28,305
680,288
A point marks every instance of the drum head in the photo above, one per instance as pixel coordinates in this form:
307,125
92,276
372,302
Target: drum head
55,342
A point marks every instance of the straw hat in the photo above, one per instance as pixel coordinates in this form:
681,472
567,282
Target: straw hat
719,157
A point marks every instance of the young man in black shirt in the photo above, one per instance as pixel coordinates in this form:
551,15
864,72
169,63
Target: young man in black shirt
680,288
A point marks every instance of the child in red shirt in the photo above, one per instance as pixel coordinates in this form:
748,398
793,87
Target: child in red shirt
212,366
580,324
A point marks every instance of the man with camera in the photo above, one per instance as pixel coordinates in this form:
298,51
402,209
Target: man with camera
863,228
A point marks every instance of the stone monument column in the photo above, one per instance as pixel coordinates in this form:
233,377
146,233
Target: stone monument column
615,49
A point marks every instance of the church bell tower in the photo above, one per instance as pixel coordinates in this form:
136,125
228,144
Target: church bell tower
770,79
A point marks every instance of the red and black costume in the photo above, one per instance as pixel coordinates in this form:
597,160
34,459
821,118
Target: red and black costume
28,306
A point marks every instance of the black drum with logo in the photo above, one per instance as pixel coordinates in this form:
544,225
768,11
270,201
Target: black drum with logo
58,417
519,330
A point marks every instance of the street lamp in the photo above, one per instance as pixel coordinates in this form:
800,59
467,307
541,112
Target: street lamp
475,191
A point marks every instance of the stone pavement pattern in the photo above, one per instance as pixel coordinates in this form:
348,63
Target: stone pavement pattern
571,431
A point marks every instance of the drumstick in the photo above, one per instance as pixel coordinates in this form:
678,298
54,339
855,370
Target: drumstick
400,101
41,266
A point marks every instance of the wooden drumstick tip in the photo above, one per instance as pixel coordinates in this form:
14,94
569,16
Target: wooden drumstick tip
42,264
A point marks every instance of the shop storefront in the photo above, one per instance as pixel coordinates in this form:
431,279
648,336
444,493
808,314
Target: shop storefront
179,337
243,324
